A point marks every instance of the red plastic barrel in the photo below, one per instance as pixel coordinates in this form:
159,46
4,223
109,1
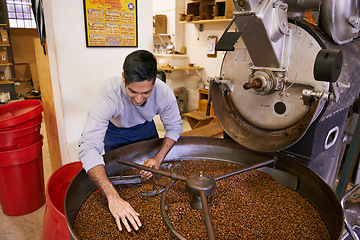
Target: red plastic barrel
20,124
19,138
34,121
16,113
54,225
22,188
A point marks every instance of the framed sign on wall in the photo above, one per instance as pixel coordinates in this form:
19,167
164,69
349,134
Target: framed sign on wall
111,23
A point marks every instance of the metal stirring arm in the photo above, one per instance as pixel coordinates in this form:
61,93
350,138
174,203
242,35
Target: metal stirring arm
246,169
153,192
207,216
173,176
199,185
206,213
164,215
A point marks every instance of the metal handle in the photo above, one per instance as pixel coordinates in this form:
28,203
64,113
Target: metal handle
209,100
347,224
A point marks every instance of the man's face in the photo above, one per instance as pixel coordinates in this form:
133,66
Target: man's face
139,92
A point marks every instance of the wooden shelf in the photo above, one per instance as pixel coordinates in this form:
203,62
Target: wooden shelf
6,82
6,64
180,68
5,45
162,35
171,55
219,20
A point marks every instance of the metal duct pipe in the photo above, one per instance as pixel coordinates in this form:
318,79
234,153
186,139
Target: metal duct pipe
293,5
303,5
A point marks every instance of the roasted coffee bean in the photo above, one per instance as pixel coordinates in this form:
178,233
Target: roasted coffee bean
250,205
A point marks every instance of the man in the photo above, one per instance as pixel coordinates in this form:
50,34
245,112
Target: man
123,113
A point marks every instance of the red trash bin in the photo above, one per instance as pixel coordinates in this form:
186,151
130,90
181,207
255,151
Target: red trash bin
20,124
54,225
16,113
22,188
20,136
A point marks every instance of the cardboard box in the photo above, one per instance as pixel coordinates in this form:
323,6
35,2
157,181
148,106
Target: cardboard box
4,37
22,44
206,9
3,56
22,72
193,8
160,24
23,87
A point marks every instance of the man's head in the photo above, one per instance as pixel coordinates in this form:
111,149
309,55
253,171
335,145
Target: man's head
140,66
139,76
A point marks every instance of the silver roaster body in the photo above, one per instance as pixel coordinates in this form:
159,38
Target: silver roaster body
286,85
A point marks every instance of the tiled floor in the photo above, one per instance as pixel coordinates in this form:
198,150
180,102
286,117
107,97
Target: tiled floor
28,227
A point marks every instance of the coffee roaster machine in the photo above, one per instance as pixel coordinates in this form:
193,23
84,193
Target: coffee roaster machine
286,84
287,88
289,81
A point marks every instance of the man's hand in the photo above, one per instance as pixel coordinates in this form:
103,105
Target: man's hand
165,147
121,210
149,163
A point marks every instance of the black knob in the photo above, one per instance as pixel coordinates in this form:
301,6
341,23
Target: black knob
328,65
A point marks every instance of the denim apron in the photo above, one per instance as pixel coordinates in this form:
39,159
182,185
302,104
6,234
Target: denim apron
116,137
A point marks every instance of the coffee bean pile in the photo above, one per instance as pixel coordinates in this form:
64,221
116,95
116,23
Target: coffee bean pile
249,205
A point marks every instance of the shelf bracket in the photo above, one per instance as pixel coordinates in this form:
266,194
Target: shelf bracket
200,26
162,40
197,71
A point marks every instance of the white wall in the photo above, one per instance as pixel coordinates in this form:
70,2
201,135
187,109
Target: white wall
172,9
196,42
76,70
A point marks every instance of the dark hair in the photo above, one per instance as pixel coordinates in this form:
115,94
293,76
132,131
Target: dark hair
140,66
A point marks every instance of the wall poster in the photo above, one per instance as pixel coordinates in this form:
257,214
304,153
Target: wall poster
111,23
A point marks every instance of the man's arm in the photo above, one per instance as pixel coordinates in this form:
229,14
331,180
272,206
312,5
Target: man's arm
119,208
165,147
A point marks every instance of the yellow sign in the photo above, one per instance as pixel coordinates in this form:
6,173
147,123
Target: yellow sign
111,23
